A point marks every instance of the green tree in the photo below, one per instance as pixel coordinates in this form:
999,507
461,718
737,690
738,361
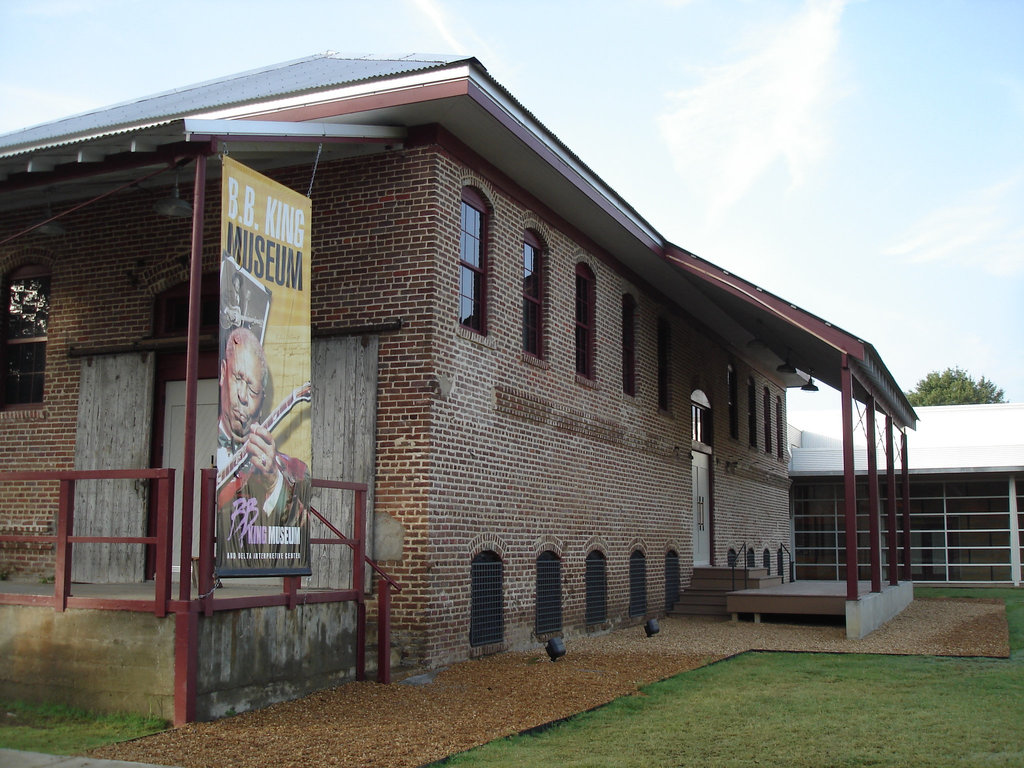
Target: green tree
954,386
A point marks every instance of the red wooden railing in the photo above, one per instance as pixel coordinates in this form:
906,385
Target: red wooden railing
162,603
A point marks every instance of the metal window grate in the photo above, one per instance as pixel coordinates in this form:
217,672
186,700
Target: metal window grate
486,622
671,580
597,588
549,593
637,584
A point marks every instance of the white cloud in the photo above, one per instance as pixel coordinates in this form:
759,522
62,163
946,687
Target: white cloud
748,115
983,229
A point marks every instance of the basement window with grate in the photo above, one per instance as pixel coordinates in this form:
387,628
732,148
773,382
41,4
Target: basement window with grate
549,593
637,584
596,583
486,622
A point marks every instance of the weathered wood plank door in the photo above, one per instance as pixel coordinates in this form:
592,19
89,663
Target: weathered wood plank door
115,410
344,407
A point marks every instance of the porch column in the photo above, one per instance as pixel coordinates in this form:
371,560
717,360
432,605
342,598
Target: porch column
874,527
849,481
188,471
905,483
890,501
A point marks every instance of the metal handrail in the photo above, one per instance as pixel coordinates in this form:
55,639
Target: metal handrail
734,556
792,564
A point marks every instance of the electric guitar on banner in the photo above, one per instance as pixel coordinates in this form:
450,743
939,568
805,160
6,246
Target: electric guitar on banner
227,473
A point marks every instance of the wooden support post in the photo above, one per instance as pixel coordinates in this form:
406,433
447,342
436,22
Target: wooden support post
186,663
890,502
905,487
383,631
874,526
65,529
849,482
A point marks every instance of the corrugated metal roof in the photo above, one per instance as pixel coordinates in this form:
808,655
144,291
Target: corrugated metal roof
314,72
949,439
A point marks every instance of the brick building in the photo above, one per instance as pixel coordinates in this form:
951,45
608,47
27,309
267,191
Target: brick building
557,411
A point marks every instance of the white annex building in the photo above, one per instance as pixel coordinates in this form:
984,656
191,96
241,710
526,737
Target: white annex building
966,494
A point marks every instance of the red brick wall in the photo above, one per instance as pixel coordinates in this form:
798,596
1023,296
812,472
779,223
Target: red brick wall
478,446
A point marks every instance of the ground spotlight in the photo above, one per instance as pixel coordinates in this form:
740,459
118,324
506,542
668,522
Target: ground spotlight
555,648
651,627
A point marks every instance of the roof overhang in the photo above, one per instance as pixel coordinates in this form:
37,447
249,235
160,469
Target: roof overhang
377,115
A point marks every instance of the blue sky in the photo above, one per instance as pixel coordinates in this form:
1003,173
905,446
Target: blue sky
864,159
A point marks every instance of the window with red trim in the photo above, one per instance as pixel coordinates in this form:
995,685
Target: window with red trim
585,296
25,322
752,412
779,437
767,421
473,262
664,363
533,296
628,344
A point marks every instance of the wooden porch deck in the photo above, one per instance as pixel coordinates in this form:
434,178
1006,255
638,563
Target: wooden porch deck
820,598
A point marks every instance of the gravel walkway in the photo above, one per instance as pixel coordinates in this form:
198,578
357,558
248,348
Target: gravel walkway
421,720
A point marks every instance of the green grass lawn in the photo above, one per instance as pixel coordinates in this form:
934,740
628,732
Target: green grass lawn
803,710
59,730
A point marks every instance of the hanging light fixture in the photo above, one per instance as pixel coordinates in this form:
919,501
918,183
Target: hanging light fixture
786,367
810,386
48,227
173,205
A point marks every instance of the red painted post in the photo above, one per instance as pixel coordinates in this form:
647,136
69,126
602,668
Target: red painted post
905,483
186,663
890,502
188,470
164,536
65,528
208,481
360,637
874,527
383,631
849,482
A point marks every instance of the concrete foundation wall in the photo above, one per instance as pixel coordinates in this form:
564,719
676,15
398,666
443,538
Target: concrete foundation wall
107,661
259,656
123,661
871,611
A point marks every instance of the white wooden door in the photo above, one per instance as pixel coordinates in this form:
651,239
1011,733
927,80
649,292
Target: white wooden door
207,413
701,509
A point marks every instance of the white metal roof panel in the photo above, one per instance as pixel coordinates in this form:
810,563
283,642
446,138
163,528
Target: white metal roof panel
314,72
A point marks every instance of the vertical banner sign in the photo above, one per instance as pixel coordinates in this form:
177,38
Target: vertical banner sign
264,442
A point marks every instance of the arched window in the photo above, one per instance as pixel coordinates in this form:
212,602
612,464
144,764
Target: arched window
779,429
473,262
671,579
664,362
549,593
700,412
585,299
637,584
533,296
734,407
767,421
752,412
486,620
628,344
596,583
25,322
